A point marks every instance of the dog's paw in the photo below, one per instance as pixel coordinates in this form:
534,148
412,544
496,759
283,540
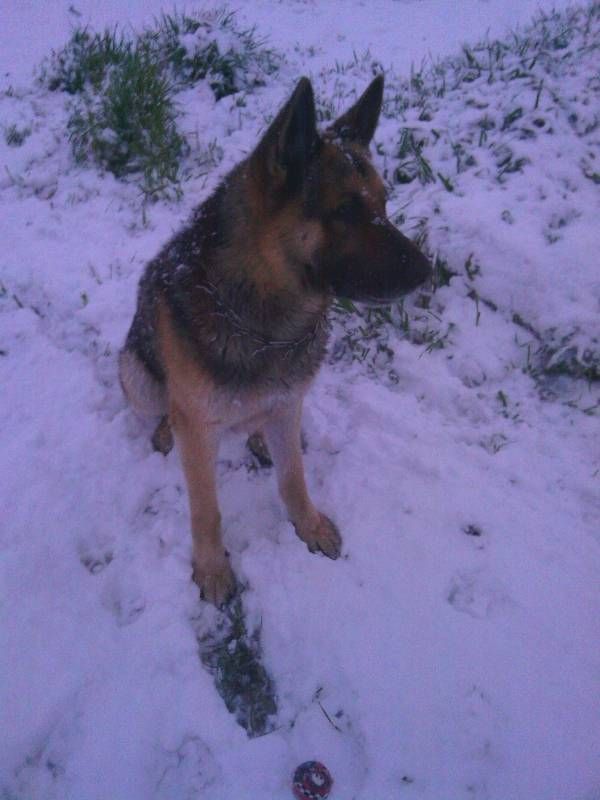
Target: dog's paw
162,438
324,538
258,447
217,584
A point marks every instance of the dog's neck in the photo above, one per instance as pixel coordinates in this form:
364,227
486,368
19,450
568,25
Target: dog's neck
239,270
242,322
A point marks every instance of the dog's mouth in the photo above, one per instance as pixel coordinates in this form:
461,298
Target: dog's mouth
376,302
380,301
368,302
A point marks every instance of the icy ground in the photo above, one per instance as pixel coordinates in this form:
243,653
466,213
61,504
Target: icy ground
453,652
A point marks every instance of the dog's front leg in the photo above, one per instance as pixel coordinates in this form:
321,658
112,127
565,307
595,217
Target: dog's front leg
198,444
282,432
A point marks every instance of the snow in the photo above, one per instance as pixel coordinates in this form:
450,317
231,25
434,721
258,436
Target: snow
404,31
452,652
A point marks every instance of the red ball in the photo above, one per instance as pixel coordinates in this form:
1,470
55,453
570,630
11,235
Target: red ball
312,781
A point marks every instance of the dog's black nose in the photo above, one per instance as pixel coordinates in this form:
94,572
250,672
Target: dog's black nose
417,268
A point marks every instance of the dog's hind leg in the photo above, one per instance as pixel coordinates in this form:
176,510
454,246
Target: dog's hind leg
162,438
258,447
147,397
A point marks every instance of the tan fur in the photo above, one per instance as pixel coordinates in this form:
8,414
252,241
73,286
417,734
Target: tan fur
287,234
367,183
146,396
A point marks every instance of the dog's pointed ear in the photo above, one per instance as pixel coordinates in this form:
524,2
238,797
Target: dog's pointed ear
359,122
285,150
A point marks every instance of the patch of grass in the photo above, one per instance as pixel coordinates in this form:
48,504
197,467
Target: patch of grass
591,175
130,127
557,361
210,46
233,657
472,268
533,57
566,357
494,443
511,117
186,48
435,339
447,183
15,136
506,160
508,409
364,335
486,124
85,60
412,162
442,274
123,115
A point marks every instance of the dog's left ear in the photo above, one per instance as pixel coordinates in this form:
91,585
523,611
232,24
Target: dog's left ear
359,122
287,147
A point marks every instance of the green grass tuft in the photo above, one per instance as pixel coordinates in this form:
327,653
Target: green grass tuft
122,115
233,657
85,60
563,356
130,127
15,136
413,163
210,46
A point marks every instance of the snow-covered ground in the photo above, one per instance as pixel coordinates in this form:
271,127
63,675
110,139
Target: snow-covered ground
453,651
401,31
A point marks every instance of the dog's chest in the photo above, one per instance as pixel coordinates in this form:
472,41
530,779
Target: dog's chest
248,411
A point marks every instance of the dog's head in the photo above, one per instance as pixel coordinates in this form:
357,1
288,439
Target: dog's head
327,201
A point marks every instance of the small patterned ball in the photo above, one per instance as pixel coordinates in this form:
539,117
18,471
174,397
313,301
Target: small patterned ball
312,781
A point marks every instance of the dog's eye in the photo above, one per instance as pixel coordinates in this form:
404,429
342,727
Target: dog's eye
349,210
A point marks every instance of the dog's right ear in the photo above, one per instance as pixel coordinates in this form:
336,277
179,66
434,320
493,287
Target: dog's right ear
284,152
359,122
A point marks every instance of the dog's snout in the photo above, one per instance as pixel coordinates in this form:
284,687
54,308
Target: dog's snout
415,265
409,267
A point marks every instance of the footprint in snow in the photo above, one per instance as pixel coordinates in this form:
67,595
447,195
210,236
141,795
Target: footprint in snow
125,602
185,771
96,551
473,593
96,561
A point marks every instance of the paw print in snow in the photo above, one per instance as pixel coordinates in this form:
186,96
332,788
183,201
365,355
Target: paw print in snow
473,593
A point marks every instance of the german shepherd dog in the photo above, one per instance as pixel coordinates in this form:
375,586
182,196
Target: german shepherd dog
230,326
